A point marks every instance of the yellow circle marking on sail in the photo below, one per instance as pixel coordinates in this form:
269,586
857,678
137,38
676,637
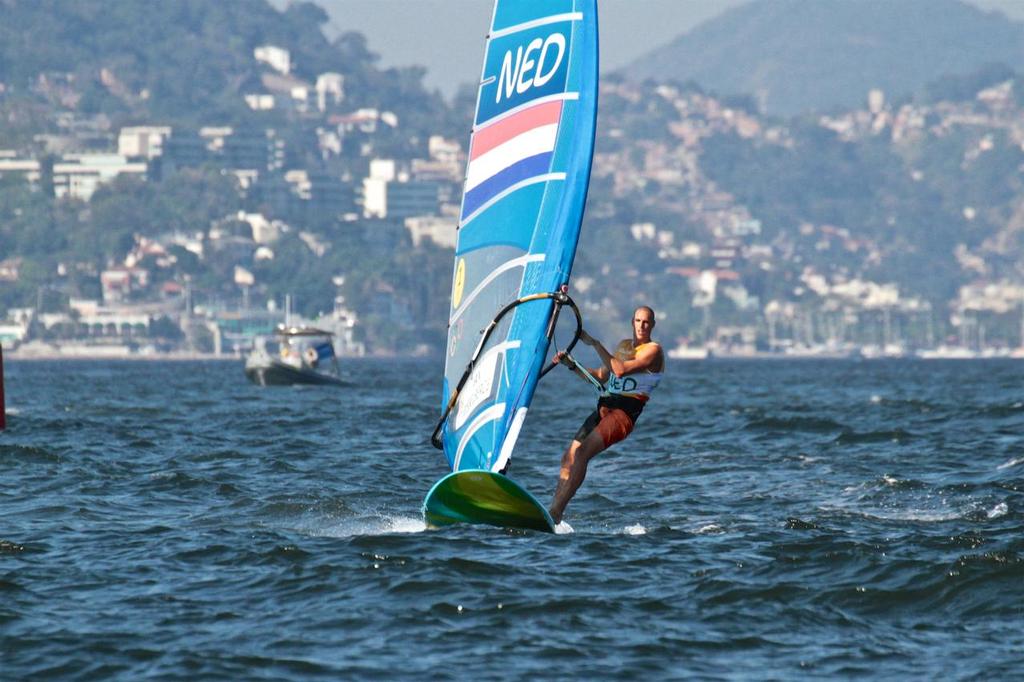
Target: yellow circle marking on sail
460,281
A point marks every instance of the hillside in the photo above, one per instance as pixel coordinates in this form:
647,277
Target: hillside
916,209
801,55
184,62
903,215
75,73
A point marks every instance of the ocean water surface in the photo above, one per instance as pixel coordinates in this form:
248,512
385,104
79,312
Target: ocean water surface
767,519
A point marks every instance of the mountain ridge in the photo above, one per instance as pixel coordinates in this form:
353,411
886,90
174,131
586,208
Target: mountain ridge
794,56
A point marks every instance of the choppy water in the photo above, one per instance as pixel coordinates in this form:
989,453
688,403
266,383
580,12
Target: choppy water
766,520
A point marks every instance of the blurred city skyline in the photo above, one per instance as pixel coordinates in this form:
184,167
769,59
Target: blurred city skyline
182,181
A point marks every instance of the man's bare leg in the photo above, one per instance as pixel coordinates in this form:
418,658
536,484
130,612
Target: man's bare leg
574,470
562,493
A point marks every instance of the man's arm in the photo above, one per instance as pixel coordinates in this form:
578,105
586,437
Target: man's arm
602,352
644,360
599,373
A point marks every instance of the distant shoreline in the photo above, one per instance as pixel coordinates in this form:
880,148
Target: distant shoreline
14,356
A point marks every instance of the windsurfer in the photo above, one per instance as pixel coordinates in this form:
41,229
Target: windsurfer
629,375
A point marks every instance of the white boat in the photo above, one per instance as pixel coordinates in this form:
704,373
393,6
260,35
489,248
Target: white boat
303,355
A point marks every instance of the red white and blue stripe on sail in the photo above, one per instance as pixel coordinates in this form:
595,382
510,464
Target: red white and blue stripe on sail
509,152
522,206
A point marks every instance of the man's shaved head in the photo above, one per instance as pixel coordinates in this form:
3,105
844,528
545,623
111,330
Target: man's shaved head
649,310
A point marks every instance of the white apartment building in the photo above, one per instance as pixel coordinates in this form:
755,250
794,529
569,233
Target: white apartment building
439,229
330,88
275,57
78,175
11,164
142,141
375,188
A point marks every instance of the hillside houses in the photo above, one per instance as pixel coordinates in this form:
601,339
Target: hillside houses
316,170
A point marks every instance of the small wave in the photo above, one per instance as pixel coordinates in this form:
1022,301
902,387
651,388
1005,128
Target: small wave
709,529
799,424
1012,463
799,524
891,435
968,540
917,405
893,499
997,558
901,483
176,479
380,525
289,552
914,515
28,453
407,525
999,411
886,481
284,508
227,454
635,529
1000,509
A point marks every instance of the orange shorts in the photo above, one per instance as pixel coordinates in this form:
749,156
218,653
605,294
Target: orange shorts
613,425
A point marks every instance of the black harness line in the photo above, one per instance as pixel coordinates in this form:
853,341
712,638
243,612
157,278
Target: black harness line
561,298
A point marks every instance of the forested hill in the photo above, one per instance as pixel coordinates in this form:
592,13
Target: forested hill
187,61
921,199
801,55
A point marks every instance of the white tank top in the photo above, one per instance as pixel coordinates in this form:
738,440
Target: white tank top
639,385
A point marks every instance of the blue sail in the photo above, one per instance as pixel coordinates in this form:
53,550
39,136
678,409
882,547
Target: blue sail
526,186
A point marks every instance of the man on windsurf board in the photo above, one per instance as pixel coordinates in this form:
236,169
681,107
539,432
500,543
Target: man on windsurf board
628,376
